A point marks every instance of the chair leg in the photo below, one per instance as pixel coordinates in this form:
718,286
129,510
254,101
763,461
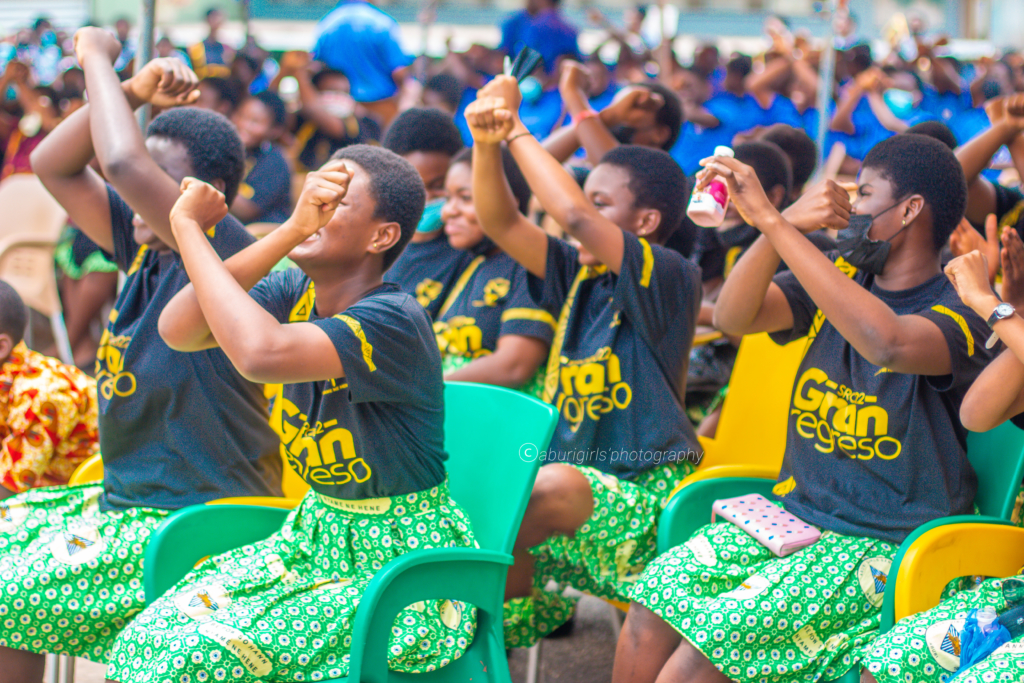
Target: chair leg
533,663
52,669
67,672
60,336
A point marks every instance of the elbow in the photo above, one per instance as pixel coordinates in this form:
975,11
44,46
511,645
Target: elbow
726,321
119,165
519,372
882,349
974,414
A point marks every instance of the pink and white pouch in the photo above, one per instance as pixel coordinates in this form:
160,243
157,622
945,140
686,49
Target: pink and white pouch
770,525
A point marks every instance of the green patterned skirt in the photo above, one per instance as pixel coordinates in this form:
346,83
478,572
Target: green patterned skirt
603,558
283,609
758,617
535,387
71,574
925,647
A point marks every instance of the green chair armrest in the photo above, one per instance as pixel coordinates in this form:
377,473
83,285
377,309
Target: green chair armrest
200,531
470,575
889,614
690,509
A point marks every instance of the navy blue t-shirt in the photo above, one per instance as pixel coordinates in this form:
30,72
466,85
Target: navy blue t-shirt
428,270
871,452
379,430
176,429
622,348
268,184
489,300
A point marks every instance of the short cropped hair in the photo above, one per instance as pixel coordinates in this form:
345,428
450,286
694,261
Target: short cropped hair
423,130
448,86
741,65
396,187
212,143
934,129
273,102
13,314
516,180
656,182
670,114
918,164
228,89
798,146
770,164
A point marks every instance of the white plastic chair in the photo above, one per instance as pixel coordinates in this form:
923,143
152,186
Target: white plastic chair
31,222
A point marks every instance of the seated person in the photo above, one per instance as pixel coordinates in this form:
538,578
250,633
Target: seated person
47,409
874,448
87,279
155,405
429,266
801,150
489,329
329,118
628,307
444,92
917,649
264,196
362,386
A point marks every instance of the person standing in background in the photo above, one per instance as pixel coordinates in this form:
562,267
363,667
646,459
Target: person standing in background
361,41
212,57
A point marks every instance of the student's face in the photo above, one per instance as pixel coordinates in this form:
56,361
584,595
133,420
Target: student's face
432,167
210,99
254,123
172,157
607,188
344,241
459,215
874,195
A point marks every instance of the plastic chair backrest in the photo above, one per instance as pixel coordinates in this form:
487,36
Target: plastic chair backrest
998,459
31,222
752,429
493,437
90,471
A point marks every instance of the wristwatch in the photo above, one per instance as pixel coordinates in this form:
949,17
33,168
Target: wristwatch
1000,312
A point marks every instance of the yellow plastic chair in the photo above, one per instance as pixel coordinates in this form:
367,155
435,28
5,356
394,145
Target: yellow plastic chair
942,554
89,472
751,435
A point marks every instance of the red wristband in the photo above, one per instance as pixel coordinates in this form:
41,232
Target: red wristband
583,116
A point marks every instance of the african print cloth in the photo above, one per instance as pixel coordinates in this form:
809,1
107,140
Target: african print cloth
48,416
535,387
925,647
71,573
603,558
283,609
758,617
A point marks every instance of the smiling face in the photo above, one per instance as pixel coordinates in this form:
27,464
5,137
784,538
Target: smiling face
173,158
433,169
345,240
254,122
459,215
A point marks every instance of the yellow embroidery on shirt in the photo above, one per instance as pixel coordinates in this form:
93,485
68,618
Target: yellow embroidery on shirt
961,322
536,314
648,270
357,330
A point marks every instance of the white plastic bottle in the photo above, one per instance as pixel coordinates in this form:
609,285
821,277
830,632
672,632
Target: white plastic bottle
707,207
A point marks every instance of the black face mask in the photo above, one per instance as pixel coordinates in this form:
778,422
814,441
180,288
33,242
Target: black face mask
859,250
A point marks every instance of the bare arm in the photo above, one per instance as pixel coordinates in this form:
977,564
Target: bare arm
513,363
842,120
884,115
119,145
496,207
183,324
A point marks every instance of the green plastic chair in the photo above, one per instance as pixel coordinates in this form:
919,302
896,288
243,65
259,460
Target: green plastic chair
488,430
996,455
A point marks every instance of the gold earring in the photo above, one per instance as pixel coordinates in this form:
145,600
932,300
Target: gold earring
904,222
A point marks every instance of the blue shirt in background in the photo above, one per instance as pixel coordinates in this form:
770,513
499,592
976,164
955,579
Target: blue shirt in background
781,110
944,105
541,116
735,115
362,42
546,32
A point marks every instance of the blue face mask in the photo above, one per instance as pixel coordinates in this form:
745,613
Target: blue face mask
431,218
531,89
901,102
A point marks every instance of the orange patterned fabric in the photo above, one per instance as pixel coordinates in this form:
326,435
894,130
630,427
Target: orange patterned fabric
48,418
